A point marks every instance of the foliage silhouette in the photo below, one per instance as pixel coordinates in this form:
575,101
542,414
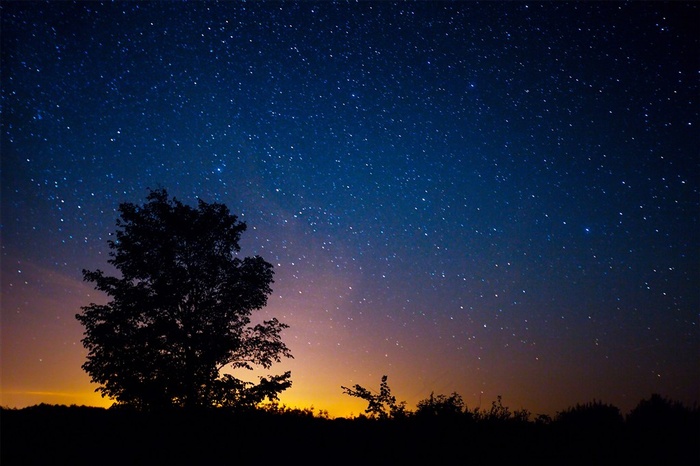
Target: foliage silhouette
181,311
381,405
593,416
123,435
500,413
663,429
659,413
441,406
597,424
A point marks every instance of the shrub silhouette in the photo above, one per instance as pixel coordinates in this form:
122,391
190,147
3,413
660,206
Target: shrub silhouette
500,413
665,430
591,416
441,406
595,425
659,413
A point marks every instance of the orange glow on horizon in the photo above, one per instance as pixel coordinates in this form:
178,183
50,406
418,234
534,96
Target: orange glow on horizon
42,358
21,399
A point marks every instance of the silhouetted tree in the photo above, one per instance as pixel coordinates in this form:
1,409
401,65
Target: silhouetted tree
181,310
381,405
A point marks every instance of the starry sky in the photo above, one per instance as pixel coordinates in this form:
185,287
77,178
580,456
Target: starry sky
487,198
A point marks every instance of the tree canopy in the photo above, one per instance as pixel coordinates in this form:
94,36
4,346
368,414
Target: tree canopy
181,310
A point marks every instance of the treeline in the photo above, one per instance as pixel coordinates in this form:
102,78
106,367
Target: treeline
440,431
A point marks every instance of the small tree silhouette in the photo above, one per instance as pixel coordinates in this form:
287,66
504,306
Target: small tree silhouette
381,405
180,312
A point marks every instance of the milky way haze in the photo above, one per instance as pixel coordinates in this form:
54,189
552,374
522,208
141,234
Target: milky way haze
488,198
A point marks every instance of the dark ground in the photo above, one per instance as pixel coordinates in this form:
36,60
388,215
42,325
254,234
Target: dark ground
93,436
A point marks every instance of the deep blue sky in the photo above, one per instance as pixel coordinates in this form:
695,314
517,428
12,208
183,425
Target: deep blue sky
489,198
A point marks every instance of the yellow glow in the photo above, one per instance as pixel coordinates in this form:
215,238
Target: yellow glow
20,399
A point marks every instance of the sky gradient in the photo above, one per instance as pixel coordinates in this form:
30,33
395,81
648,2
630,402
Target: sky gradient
487,198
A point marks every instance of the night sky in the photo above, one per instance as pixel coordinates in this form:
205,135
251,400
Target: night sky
487,198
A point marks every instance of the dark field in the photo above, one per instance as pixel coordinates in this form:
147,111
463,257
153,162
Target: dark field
93,436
